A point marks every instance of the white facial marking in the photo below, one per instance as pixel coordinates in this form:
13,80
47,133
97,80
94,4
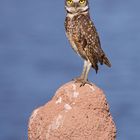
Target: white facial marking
75,0
71,15
69,9
73,11
85,8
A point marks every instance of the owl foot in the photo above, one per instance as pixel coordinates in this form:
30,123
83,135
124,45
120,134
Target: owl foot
81,81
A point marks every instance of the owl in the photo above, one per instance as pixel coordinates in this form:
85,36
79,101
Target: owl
83,37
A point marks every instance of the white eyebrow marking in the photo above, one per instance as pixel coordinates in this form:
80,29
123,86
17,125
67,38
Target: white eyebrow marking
75,0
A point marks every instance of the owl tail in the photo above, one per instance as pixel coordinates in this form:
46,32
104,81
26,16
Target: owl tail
106,61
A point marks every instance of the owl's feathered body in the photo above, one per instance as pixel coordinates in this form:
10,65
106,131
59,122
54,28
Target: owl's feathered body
84,39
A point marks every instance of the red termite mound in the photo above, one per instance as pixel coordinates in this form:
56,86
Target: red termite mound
74,113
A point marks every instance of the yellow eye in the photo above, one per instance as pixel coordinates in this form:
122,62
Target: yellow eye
82,1
69,2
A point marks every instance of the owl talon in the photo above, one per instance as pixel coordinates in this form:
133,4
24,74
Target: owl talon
82,81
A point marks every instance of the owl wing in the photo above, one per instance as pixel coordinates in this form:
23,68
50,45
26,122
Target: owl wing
90,42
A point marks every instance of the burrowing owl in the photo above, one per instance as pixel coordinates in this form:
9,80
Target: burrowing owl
83,37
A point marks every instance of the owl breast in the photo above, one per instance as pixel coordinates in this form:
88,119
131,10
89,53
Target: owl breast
73,34
84,39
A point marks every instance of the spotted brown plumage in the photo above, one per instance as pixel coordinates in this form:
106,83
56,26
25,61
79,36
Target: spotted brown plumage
84,38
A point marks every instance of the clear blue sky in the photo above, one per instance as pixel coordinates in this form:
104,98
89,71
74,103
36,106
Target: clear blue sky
36,58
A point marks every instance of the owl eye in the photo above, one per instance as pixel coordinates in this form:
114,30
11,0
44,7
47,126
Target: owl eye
82,1
69,2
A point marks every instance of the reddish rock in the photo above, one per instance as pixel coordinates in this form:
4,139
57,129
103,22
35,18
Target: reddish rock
74,113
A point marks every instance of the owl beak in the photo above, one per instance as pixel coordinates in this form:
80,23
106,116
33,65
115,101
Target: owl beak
75,7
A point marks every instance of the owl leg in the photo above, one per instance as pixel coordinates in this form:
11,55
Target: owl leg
86,69
83,79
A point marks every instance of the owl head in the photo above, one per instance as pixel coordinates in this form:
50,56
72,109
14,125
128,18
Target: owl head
76,6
